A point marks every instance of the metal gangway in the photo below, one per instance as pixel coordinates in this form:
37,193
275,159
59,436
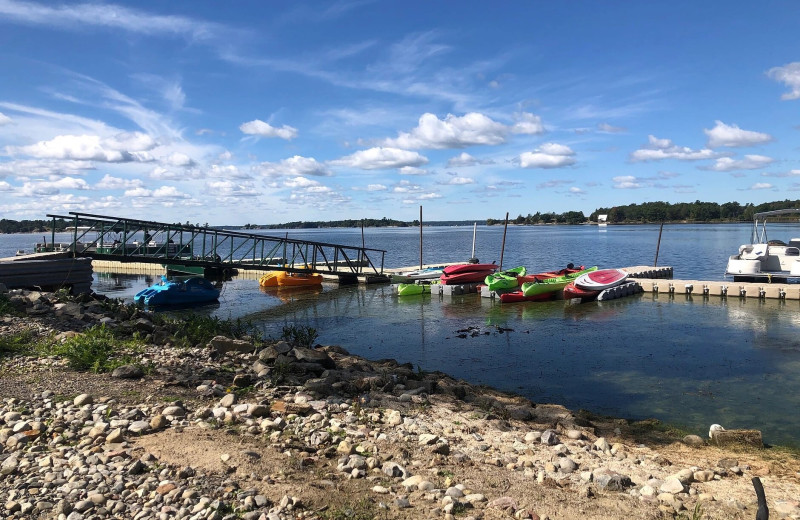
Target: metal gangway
131,240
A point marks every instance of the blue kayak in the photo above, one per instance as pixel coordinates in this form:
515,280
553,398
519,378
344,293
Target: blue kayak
192,290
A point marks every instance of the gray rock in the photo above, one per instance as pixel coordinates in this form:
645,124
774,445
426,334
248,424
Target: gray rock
611,480
128,372
394,470
223,345
308,355
83,399
693,440
174,410
672,485
549,437
228,401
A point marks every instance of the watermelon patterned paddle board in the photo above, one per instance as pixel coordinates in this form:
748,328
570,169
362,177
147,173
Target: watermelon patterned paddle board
602,279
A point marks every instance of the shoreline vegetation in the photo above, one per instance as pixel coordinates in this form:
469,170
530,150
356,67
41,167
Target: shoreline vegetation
143,415
644,213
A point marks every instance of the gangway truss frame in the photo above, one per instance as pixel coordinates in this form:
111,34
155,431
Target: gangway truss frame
134,241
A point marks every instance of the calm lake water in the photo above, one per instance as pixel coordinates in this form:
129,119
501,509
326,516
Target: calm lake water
685,360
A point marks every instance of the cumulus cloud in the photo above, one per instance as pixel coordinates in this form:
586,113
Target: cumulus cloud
115,183
660,149
733,136
748,162
30,189
451,132
790,173
380,158
549,155
44,168
459,181
139,192
296,165
4,119
789,75
406,187
4,186
529,124
574,190
626,182
179,159
169,192
761,186
465,160
376,187
126,147
260,128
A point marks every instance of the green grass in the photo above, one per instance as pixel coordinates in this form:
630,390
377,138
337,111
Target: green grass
192,330
362,509
98,349
6,308
24,342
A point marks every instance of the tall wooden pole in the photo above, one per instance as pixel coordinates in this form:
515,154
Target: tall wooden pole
472,259
503,247
658,246
420,237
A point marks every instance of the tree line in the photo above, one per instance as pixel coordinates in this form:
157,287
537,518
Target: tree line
650,212
32,226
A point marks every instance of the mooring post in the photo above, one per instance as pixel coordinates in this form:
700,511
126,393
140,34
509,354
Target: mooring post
420,237
503,246
658,246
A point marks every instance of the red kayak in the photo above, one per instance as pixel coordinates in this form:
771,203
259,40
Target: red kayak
465,277
548,274
573,291
469,268
517,296
602,279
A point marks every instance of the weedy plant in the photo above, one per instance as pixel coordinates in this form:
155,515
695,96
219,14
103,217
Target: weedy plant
299,335
20,343
97,350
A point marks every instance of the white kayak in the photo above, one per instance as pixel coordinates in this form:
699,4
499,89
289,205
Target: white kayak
601,279
429,273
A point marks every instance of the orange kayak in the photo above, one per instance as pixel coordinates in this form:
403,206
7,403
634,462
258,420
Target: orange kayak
298,279
270,279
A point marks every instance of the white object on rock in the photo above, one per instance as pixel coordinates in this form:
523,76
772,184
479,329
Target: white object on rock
715,428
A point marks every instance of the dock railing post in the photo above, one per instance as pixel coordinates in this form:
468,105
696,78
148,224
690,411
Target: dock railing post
503,246
658,246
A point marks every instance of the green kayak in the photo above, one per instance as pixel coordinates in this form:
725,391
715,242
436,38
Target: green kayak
551,284
504,279
410,289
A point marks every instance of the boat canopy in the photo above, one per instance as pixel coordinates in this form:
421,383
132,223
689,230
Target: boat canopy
759,234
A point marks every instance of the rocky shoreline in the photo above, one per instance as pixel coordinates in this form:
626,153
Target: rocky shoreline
243,428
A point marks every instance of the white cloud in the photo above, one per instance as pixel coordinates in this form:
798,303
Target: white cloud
733,136
4,119
381,158
300,182
296,165
465,160
459,181
376,187
609,129
789,75
761,186
138,193
412,170
44,167
179,159
260,128
230,189
529,124
626,182
406,187
115,183
451,132
169,192
429,196
31,189
573,190
660,149
790,173
125,147
228,171
4,186
549,155
748,162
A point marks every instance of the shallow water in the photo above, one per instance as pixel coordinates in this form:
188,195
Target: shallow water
690,361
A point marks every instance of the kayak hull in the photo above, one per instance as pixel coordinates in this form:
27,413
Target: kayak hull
299,280
519,296
464,277
555,284
468,268
573,291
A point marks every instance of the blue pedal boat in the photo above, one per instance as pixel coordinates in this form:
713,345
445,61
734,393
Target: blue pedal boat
192,290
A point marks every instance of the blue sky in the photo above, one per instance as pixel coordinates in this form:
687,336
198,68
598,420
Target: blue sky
280,111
